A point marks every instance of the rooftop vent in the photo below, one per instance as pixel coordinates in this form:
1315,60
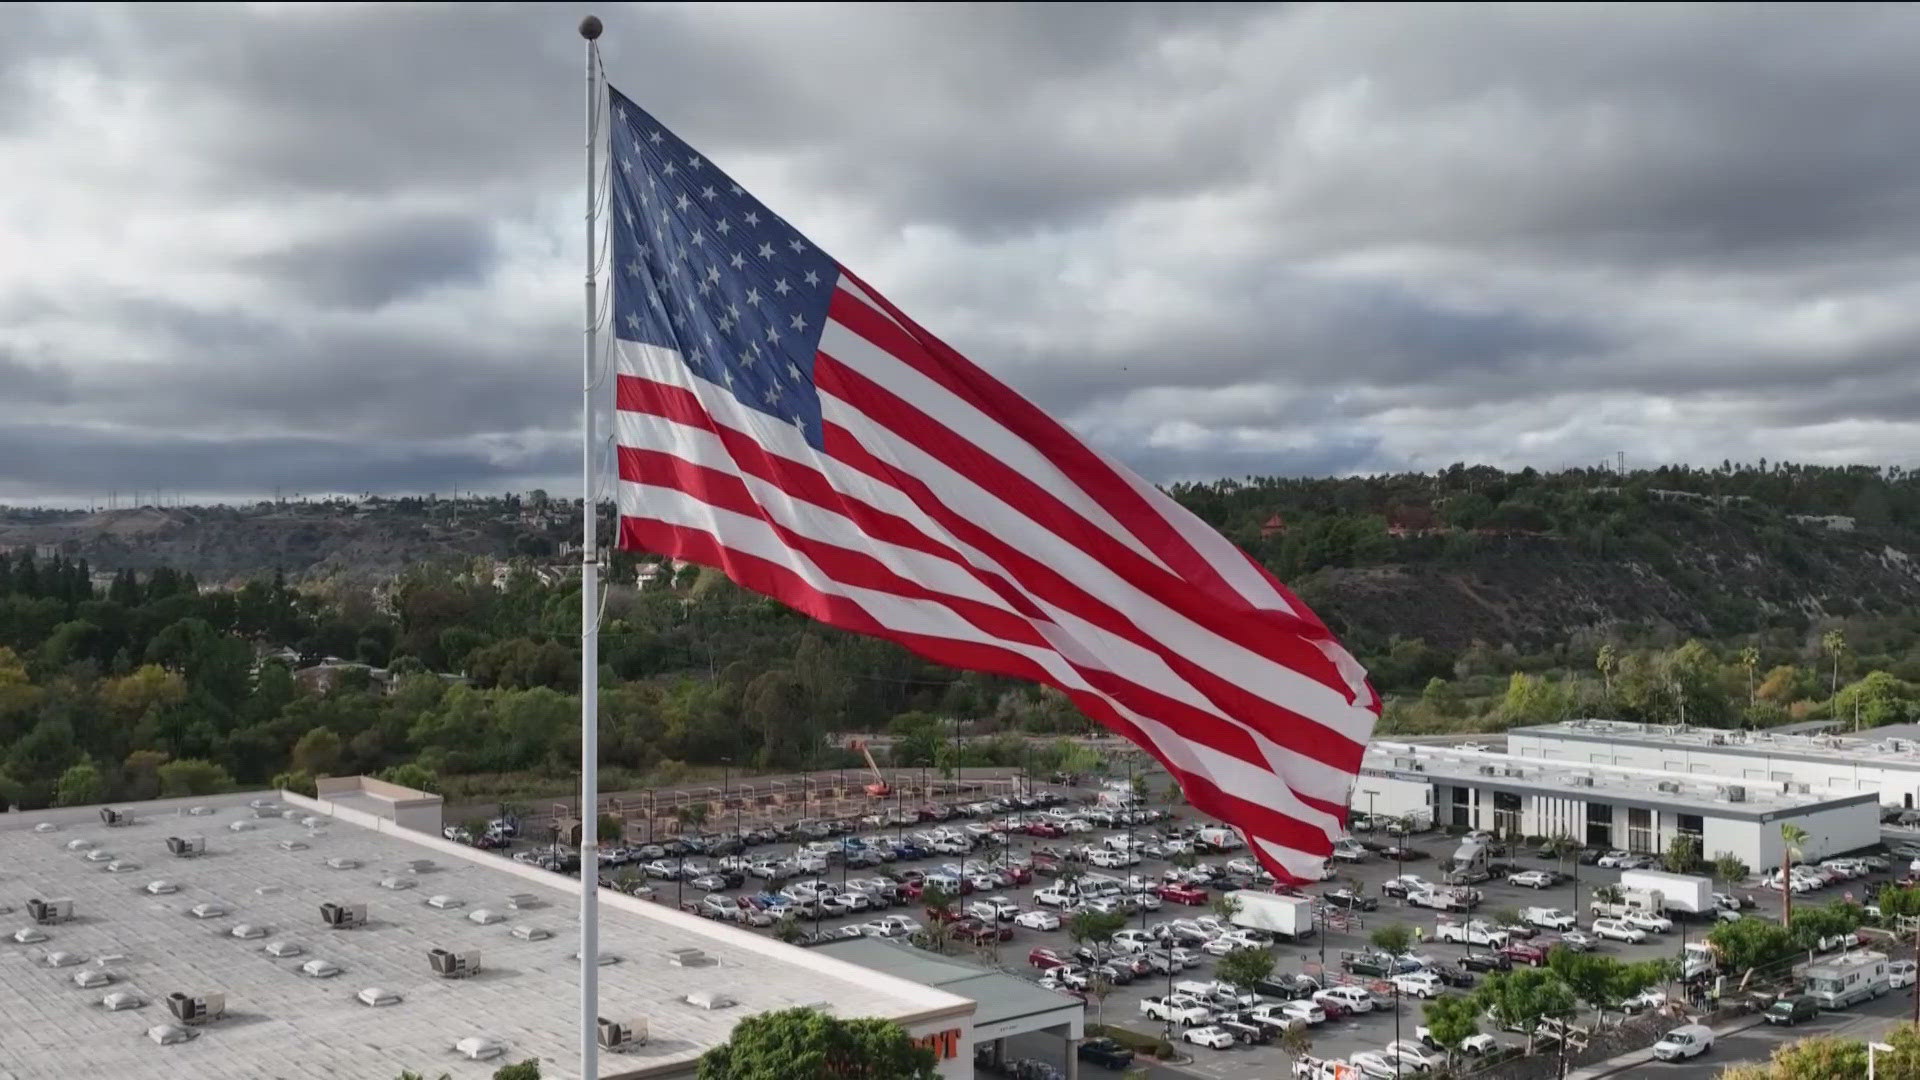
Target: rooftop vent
293,845
444,902
377,996
28,935
47,912
708,999
1669,786
1489,770
397,883
454,965
268,890
97,855
1803,789
1514,772
486,916
263,804
64,959
91,978
476,1048
319,969
46,826
122,1000
341,862
623,1034
686,956
343,916
247,931
79,845
521,901
1583,781
282,949
420,866
1736,793
290,815
199,811
121,866
113,818
162,888
526,932
208,911
606,959
312,822
240,826
168,1034
196,1008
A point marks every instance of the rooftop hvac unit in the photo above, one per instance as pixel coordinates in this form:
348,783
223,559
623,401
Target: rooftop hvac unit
45,912
1803,789
1489,770
475,1048
113,817
1718,740
454,965
1515,773
186,847
624,1034
1671,787
197,1008
343,916
1583,781
1736,793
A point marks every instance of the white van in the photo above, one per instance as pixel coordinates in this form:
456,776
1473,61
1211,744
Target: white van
1685,1041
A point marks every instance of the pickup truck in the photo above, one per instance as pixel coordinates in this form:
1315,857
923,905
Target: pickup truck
1176,1008
1548,918
1472,933
1442,899
1375,965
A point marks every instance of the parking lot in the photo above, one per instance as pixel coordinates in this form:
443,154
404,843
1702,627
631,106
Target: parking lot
997,846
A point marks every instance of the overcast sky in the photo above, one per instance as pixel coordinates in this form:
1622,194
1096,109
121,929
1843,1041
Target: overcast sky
339,248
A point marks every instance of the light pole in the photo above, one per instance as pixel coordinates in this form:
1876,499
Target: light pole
1396,1012
726,796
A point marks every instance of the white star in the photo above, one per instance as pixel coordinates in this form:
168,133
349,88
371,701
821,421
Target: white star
713,274
799,322
752,355
726,376
652,182
736,190
633,268
724,227
753,217
697,357
797,422
766,251
657,138
734,310
683,202
706,336
679,321
633,322
772,394
626,165
708,193
773,334
698,239
811,278
620,114
628,211
726,324
657,302
781,287
793,371
668,171
797,246
739,261
695,162
645,251
705,286
753,297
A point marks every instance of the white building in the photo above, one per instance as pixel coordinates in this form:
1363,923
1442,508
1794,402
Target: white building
152,923
1885,763
1602,804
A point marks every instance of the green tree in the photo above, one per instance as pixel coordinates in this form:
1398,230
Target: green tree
1521,999
297,782
1095,927
1682,855
1817,1057
1607,661
1225,905
412,775
317,753
525,1070
1394,938
805,1044
1745,944
1812,922
1750,659
1791,838
81,785
1877,700
1451,1020
1442,698
1730,868
1602,982
190,776
1296,1041
1243,968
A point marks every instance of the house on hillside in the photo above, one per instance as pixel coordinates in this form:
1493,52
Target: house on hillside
1272,527
1412,521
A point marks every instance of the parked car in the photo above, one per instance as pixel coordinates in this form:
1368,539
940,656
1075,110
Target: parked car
1046,959
1522,953
1485,962
1790,1011
1900,973
1105,1053
1212,1035
1618,930
1347,898
1685,1041
1037,920
1182,894
1532,879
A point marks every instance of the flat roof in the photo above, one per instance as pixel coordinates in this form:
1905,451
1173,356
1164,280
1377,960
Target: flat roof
1001,999
282,1024
1652,788
1895,749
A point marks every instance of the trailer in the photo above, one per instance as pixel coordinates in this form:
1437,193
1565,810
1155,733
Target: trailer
1678,892
1288,917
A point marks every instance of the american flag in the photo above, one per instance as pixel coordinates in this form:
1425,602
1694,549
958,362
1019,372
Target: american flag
778,419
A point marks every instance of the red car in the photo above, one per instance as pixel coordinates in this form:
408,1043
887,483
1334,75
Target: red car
1182,894
1522,953
1020,875
1046,959
1046,829
976,931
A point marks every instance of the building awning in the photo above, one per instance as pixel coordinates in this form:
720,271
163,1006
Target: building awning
1004,1004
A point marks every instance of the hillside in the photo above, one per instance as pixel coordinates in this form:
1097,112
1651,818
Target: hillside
1470,554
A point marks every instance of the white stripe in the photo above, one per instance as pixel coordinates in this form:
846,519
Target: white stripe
753,536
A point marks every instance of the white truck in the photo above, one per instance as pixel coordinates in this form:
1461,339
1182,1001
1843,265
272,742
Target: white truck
1180,1009
1440,899
1630,900
1678,892
1473,932
1220,839
1847,980
1287,917
1548,918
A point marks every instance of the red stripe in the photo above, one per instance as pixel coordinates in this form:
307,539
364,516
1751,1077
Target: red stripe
1283,726
783,584
1298,732
913,345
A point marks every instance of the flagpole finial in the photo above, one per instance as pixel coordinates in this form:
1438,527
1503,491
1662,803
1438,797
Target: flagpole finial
590,27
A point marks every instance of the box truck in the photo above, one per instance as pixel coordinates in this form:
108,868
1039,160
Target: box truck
1678,892
1289,917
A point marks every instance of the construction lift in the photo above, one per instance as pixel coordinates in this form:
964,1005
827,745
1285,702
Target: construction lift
879,789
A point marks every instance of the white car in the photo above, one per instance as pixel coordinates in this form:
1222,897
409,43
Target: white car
1900,973
1481,1043
1054,896
1685,1041
1374,1065
1420,984
1728,901
1613,859
1618,930
1579,941
1648,921
1532,879
1216,1037
1220,946
1645,1000
1132,941
1037,920
1351,998
1412,1057
1305,1012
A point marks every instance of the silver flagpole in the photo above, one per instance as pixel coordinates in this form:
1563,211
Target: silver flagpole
590,617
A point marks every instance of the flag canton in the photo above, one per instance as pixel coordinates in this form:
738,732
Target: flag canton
702,268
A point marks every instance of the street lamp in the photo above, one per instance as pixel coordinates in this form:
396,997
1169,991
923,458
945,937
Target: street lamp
1874,1048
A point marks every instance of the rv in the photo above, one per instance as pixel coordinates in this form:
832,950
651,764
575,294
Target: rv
1848,979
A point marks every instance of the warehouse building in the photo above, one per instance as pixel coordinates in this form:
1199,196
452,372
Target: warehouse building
218,900
1885,762
1605,805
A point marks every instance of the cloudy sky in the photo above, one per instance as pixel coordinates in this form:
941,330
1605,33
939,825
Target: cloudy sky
339,248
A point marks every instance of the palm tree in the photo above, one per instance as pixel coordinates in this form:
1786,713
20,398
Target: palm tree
1833,642
1750,659
1607,661
1791,837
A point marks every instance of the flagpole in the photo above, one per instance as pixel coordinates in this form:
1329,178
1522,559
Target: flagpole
590,617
